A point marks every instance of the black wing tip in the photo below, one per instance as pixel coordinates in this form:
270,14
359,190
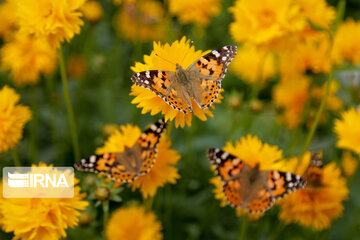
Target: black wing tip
212,155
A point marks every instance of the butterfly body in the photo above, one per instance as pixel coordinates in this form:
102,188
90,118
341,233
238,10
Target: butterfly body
249,187
132,162
200,81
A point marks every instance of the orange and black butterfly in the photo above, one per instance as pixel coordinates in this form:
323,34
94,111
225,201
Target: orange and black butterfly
133,162
250,188
200,81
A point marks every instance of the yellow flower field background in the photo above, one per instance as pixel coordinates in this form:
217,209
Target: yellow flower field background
291,94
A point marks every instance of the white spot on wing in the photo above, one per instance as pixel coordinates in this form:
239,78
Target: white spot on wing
216,53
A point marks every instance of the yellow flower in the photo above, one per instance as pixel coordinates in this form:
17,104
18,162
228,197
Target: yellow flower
195,11
76,66
41,218
13,117
346,42
27,57
55,20
291,95
218,191
318,12
265,21
319,202
178,52
308,53
143,21
252,151
347,130
92,11
163,170
252,63
349,164
133,223
333,102
7,19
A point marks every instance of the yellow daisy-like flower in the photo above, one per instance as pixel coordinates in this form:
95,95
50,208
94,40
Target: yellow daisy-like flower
13,117
349,164
218,191
37,57
311,53
162,58
346,42
41,218
252,63
265,21
92,11
320,201
195,11
291,95
163,170
252,151
55,20
348,130
7,19
133,223
318,12
141,21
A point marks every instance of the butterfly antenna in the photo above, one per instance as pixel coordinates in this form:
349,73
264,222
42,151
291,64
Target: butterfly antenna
191,44
166,60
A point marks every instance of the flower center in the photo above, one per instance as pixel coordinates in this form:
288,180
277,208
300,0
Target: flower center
267,17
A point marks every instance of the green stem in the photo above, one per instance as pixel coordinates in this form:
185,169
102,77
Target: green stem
148,202
318,114
105,205
243,228
169,129
69,108
15,157
340,14
34,126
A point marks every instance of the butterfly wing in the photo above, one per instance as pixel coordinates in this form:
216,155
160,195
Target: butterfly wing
160,83
262,201
108,164
313,173
122,167
282,183
148,142
208,72
228,168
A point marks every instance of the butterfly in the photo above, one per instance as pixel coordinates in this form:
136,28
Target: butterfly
200,81
248,187
313,173
133,162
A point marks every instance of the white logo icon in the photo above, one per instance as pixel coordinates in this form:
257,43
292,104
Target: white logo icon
18,180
